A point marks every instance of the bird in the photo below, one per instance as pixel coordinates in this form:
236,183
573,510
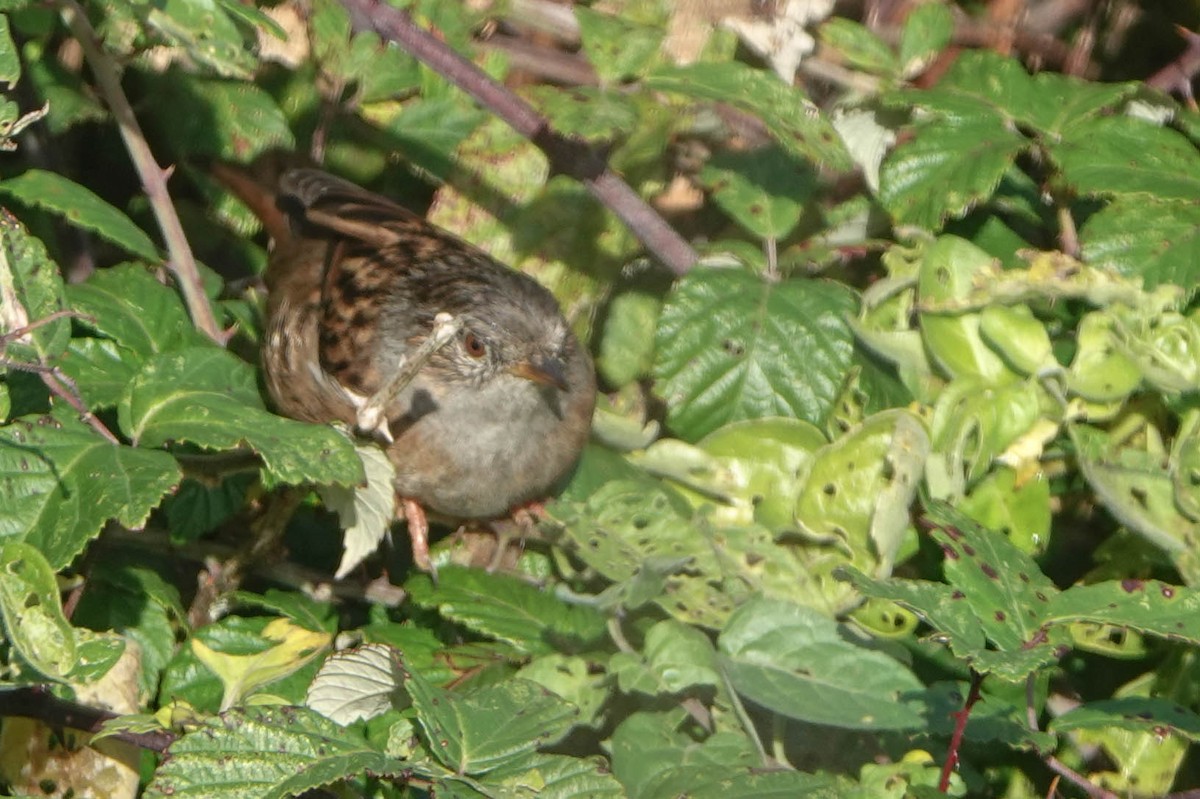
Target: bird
463,368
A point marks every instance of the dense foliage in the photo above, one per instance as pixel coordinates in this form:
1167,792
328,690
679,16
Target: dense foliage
894,491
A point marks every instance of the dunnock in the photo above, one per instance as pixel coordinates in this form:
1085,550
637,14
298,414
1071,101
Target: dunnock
491,420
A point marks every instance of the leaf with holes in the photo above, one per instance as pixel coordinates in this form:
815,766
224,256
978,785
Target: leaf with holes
764,190
1135,486
265,752
1132,713
859,488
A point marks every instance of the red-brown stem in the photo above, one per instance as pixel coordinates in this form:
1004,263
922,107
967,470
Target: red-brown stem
960,726
36,702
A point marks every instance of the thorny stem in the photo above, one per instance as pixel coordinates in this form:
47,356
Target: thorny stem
54,378
153,177
567,156
36,702
960,726
1177,76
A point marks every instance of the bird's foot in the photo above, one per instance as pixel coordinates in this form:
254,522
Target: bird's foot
418,532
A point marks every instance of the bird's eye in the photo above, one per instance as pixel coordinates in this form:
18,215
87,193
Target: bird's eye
474,345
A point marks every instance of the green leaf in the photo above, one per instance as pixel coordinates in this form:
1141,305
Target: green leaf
792,661
101,369
199,507
951,269
861,48
1121,155
765,190
941,606
79,206
429,132
265,752
587,112
1003,586
127,304
209,397
10,62
1148,606
770,455
490,727
30,289
927,30
62,481
733,346
508,609
32,612
654,758
626,349
617,48
1131,713
139,605
253,17
574,678
790,116
381,72
676,657
205,31
1148,237
638,533
859,488
365,512
948,167
1048,104
560,777
1135,486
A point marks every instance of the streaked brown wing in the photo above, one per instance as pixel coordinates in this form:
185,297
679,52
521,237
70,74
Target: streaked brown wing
371,244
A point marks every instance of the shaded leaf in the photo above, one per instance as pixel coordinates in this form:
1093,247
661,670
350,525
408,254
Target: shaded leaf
79,206
792,660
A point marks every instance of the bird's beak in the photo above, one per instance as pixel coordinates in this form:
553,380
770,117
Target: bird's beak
547,371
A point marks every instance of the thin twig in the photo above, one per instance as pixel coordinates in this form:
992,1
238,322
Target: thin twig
153,177
567,156
1053,763
223,576
1068,235
744,719
370,417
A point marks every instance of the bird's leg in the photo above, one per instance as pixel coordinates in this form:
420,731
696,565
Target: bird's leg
418,531
524,519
